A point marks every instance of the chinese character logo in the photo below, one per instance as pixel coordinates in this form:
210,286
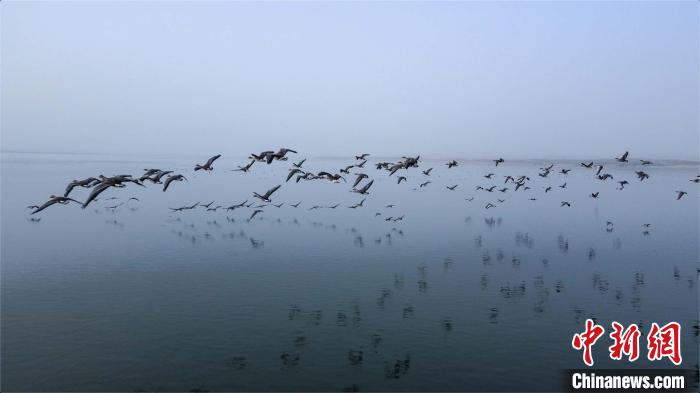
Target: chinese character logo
665,342
586,340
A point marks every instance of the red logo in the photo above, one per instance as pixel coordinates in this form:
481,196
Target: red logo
662,342
586,340
626,341
665,342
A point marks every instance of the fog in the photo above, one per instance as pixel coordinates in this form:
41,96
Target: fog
461,79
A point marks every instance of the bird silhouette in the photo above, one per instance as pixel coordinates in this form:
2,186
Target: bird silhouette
208,165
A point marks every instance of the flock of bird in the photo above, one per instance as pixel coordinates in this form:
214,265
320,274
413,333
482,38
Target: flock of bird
361,184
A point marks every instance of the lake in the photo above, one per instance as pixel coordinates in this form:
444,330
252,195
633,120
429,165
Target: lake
453,297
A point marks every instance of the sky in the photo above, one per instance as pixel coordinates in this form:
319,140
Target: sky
440,79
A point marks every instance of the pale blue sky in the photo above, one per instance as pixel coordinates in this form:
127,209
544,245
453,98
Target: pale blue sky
458,79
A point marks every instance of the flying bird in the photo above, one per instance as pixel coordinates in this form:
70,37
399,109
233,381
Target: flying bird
623,158
208,165
245,168
266,196
89,182
364,190
359,178
53,199
641,175
171,179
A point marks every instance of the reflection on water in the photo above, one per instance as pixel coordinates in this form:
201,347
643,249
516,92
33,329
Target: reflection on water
418,288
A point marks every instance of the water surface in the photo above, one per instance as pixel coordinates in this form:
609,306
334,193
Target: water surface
454,297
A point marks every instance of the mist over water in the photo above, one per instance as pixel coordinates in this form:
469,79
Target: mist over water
454,297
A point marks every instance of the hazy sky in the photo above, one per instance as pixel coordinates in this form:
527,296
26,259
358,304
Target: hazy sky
457,79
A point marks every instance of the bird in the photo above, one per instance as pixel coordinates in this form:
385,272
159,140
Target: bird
600,168
452,188
156,176
500,200
359,178
451,164
179,209
171,179
565,171
362,164
333,207
488,176
255,212
390,206
563,185
641,175
292,172
278,205
245,168
299,164
623,158
680,194
53,199
361,156
595,194
281,153
425,184
547,189
499,161
208,165
646,162
364,190
333,178
504,189
346,170
489,205
469,199
622,184
401,178
266,196
295,205
427,171
605,176
262,156
107,182
490,189
89,182
565,203
234,207
355,206
589,165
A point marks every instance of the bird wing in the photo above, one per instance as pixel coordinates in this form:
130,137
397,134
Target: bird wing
211,160
95,192
271,191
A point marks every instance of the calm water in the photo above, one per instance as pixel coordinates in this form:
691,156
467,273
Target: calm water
452,298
